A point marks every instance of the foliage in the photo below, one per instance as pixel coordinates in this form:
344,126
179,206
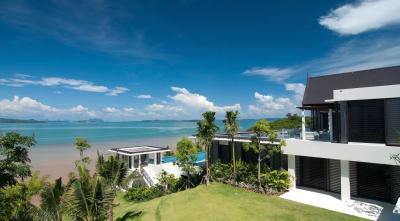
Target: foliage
129,215
262,129
277,180
112,170
138,194
246,173
14,163
292,121
88,197
231,128
206,130
15,200
220,171
81,144
186,155
168,182
50,201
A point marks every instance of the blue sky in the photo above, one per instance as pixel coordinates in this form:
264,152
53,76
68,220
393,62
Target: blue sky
135,60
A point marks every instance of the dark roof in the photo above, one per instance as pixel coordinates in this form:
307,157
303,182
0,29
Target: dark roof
320,88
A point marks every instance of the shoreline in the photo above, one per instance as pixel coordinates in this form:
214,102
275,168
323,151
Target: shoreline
57,160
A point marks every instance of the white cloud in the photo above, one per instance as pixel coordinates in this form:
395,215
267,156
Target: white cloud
365,15
297,88
198,102
144,96
271,73
27,107
270,106
110,110
74,84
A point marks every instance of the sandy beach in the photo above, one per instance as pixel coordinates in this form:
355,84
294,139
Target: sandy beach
58,160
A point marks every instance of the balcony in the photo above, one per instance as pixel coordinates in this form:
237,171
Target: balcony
360,152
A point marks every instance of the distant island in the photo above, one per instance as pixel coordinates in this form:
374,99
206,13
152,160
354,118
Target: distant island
6,120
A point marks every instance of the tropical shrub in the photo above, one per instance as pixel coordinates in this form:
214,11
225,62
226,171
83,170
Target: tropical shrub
246,173
143,193
220,171
276,180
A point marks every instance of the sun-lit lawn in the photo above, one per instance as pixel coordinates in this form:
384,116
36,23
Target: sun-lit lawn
224,202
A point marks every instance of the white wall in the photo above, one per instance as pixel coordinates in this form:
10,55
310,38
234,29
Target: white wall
368,153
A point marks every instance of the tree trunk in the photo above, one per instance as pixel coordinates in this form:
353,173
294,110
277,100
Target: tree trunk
111,214
233,157
259,170
207,170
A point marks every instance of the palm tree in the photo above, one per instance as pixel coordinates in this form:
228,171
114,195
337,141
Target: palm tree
81,144
262,129
114,172
50,201
232,128
88,197
206,129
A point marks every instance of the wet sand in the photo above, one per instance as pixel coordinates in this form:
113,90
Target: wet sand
58,160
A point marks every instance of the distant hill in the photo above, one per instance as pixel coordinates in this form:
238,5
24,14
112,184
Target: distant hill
6,120
94,120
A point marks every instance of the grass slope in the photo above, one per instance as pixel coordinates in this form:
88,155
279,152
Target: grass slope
224,202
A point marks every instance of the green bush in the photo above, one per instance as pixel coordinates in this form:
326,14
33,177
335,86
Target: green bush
276,180
220,171
246,173
143,193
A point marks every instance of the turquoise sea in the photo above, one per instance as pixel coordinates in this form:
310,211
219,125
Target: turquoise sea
98,132
55,153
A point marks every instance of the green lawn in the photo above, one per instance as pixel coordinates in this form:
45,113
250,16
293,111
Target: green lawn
224,202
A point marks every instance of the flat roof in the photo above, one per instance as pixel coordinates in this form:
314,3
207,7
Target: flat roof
320,88
142,149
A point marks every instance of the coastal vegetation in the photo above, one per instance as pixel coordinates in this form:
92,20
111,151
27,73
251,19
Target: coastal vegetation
262,129
292,121
85,196
206,130
232,128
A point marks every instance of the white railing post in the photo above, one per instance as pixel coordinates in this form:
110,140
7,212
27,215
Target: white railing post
303,125
330,125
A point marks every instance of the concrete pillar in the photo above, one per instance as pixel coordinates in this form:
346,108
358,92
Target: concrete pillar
330,125
292,170
345,180
155,158
303,125
140,159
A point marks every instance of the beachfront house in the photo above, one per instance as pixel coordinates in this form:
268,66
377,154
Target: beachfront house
147,161
342,161
150,162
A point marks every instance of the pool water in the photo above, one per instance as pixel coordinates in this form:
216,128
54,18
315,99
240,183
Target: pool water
201,156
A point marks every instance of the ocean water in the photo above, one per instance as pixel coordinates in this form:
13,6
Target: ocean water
98,132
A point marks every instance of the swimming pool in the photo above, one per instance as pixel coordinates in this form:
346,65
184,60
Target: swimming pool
201,156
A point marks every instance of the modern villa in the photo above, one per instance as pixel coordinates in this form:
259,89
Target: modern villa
355,130
346,151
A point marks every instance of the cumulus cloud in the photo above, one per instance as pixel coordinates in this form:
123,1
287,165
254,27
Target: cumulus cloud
271,73
270,106
363,16
198,102
27,107
74,84
144,96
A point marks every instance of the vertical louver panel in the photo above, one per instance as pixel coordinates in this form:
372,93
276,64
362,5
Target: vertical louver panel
366,121
392,118
298,170
374,181
314,172
334,176
395,183
353,178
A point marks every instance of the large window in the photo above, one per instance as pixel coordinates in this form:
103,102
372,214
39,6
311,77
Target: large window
392,115
366,121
